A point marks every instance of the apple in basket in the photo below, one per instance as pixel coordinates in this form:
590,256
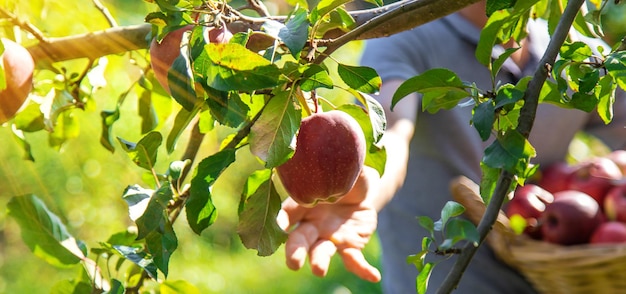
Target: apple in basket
609,232
595,177
615,203
571,218
554,177
529,201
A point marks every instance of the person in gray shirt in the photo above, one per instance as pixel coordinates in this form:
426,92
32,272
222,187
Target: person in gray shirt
425,152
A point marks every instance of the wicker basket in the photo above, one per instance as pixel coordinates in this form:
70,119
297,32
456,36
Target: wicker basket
550,268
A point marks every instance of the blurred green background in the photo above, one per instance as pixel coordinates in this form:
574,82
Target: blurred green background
83,182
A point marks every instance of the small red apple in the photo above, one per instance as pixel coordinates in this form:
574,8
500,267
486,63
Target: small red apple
571,219
595,177
529,201
609,232
615,203
18,68
329,156
554,177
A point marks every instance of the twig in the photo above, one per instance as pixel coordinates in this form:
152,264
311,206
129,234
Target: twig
105,12
258,7
525,123
24,25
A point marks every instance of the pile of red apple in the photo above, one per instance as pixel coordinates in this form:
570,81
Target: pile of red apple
578,203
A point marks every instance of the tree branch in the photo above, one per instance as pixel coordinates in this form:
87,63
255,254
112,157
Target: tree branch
370,23
525,123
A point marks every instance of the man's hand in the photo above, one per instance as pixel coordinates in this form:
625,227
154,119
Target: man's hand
343,227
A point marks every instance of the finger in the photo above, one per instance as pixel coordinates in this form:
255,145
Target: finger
293,212
320,255
355,263
298,244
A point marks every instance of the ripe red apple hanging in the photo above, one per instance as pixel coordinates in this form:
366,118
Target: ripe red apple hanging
329,156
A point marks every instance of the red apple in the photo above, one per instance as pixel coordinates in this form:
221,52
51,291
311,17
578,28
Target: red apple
554,177
529,201
164,53
615,203
571,219
18,68
609,232
329,156
595,177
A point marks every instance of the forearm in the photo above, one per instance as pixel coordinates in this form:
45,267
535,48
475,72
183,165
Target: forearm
396,141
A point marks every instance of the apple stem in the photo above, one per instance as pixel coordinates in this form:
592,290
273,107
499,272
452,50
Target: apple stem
322,99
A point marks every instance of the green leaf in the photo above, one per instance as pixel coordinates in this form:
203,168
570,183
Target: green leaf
44,233
116,287
489,35
20,139
272,134
182,120
361,78
462,229
510,151
338,19
376,156
177,287
451,209
583,101
71,286
29,119
426,223
155,215
66,127
440,87
137,199
421,283
257,227
376,114
144,153
615,64
315,77
577,51
180,82
324,7
252,184
226,107
483,118
146,111
201,212
138,257
161,244
494,5
295,33
228,67
488,181
108,118
605,92
418,259
498,62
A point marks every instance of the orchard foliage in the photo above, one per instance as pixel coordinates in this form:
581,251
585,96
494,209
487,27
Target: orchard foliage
274,72
261,85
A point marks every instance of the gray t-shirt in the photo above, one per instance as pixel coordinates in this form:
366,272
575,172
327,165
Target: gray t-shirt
445,145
